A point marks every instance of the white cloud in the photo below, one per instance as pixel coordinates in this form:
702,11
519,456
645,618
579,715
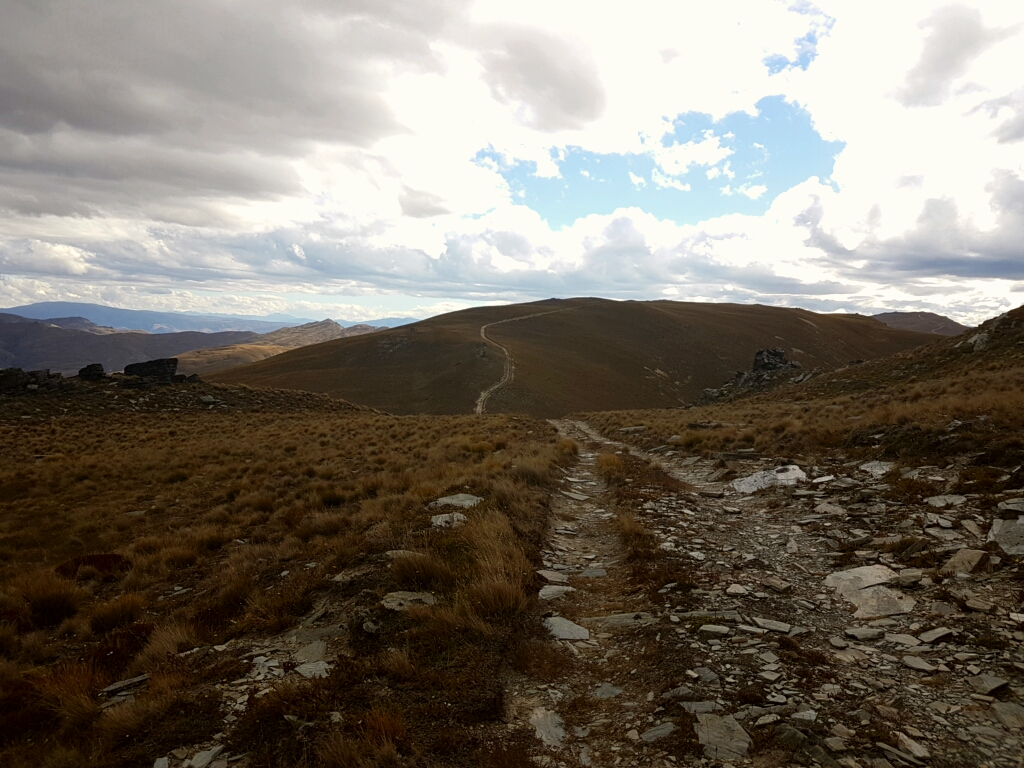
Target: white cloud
637,181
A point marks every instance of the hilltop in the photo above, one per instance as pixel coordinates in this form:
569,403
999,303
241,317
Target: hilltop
924,322
569,355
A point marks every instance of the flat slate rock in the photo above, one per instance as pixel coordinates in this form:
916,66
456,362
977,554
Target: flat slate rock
563,629
575,496
915,662
593,573
964,561
658,732
986,685
722,737
1009,714
935,635
461,500
553,591
772,625
864,633
606,691
402,601
856,579
787,475
1008,534
315,651
548,726
699,707
639,619
677,693
553,577
314,669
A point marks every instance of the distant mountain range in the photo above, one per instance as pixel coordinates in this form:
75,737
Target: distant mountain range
570,355
176,322
70,343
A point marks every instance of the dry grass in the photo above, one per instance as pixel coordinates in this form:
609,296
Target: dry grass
174,530
919,406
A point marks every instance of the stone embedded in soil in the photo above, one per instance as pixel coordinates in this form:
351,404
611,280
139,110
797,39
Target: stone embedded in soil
553,591
553,577
460,500
878,601
902,639
161,762
699,707
736,589
638,619
450,520
401,601
787,475
777,584
204,758
575,496
855,579
714,629
677,693
964,561
722,737
877,468
944,501
658,732
315,651
593,573
606,691
563,629
313,669
987,684
548,726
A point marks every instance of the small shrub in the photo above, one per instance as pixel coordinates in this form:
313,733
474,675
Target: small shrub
118,613
50,598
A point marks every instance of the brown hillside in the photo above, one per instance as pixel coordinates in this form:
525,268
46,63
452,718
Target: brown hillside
570,355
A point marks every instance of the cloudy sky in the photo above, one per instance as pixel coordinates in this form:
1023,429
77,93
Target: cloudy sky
360,158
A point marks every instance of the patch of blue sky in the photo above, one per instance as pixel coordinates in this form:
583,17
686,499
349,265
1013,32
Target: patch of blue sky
767,154
807,45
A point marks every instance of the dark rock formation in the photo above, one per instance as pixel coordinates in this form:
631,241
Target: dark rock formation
162,370
92,372
772,360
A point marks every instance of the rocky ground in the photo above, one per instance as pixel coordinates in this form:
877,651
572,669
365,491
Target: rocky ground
788,616
801,617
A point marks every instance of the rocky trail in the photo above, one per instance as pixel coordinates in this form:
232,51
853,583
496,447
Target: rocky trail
791,617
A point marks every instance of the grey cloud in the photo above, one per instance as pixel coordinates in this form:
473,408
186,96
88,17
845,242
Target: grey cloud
170,109
421,205
555,80
903,182
942,244
957,37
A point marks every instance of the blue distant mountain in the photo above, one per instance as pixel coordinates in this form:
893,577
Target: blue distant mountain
175,322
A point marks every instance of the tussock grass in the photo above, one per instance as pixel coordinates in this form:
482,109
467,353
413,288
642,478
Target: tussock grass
230,526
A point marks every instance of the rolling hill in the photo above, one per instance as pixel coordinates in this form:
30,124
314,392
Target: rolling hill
210,360
924,322
569,355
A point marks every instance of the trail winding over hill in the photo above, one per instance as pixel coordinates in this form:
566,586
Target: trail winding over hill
510,364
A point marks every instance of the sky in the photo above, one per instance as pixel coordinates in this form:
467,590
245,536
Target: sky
365,158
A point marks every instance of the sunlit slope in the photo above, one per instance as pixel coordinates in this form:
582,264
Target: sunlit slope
570,355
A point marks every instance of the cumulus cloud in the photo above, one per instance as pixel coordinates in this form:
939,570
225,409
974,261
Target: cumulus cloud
957,37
